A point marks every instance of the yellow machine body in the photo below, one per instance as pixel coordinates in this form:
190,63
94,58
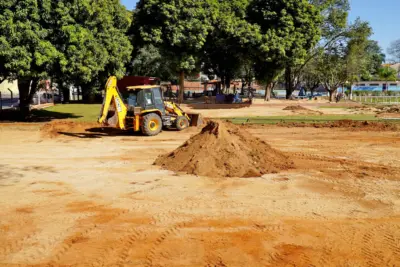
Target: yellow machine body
148,113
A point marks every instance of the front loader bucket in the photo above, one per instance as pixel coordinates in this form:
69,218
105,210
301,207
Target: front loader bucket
195,120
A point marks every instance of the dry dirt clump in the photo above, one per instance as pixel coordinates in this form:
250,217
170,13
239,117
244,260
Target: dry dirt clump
222,149
302,110
297,107
388,112
388,109
346,124
55,128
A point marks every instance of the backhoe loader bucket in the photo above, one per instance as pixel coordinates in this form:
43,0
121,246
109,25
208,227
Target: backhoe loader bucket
195,119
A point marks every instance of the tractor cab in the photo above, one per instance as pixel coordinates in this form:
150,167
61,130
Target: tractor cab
147,98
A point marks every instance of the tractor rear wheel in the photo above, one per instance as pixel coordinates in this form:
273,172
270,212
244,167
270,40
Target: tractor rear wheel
182,123
152,124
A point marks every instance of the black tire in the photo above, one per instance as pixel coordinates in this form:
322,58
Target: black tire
182,123
152,124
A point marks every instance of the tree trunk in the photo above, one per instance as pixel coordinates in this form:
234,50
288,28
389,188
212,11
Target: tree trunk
66,94
223,84
228,84
85,96
27,88
312,91
351,92
243,85
181,86
332,95
288,82
268,89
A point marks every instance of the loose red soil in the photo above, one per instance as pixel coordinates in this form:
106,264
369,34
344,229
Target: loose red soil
346,124
222,149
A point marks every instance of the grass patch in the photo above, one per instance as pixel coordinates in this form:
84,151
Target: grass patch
77,112
303,118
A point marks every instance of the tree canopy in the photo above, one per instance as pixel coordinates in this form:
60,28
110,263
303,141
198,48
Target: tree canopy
79,41
148,61
230,43
179,28
82,42
289,29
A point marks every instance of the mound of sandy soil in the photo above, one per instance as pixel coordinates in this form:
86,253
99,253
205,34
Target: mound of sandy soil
55,128
388,109
222,149
302,110
388,112
354,125
296,107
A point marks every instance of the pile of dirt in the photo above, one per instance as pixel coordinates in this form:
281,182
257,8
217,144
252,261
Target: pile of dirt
388,112
354,125
302,110
222,149
294,108
56,128
388,109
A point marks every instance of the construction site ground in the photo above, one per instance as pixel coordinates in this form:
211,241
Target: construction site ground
83,197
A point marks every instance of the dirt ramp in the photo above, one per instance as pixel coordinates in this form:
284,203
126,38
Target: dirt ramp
302,110
222,149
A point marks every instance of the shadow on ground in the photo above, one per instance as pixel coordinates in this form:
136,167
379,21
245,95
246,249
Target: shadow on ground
36,116
218,106
100,132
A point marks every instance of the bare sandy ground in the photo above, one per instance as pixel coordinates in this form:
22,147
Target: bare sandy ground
276,108
98,200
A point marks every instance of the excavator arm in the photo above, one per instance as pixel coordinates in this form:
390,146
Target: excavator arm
172,108
175,109
113,97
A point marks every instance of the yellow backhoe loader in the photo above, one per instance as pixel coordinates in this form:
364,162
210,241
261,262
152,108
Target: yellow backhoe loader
142,108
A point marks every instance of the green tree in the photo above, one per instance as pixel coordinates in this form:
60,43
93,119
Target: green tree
26,51
358,60
311,76
345,60
289,29
228,45
333,25
375,59
149,61
73,41
333,73
387,74
179,28
92,37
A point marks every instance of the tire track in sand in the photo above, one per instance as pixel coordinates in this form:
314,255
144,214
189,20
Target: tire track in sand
80,235
174,230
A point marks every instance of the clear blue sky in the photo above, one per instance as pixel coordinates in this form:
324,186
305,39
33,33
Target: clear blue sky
383,16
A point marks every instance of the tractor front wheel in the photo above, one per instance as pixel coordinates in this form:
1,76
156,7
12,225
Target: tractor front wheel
152,124
182,123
